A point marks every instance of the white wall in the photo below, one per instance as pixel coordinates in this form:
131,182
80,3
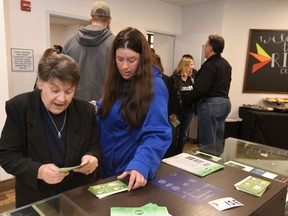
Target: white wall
4,77
232,19
30,30
197,23
239,17
191,25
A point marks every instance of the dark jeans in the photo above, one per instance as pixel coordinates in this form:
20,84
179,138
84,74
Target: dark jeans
185,118
212,113
179,134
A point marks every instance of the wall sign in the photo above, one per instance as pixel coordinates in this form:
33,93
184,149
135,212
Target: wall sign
22,60
25,5
267,62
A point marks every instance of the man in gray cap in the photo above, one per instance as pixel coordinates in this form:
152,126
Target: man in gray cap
90,47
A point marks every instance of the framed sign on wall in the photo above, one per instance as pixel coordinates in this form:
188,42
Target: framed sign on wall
267,62
22,60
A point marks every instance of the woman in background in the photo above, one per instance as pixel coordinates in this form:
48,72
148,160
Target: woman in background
132,115
48,52
180,106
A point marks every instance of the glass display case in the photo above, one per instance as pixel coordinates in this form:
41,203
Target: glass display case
53,206
261,157
270,160
264,160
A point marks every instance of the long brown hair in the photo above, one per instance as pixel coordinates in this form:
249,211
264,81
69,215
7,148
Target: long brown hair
136,93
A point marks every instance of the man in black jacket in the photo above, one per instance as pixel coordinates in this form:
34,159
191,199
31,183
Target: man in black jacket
211,89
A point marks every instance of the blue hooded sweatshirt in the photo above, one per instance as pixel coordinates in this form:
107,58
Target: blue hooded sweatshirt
138,149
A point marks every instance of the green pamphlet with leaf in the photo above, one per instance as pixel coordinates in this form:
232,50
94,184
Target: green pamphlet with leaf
68,169
107,189
253,185
149,209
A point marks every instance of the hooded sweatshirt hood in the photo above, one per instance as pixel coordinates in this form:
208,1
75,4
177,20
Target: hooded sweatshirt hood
90,48
92,35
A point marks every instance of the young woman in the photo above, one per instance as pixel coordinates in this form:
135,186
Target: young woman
132,117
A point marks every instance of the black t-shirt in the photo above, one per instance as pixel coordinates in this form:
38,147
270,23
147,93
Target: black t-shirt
186,88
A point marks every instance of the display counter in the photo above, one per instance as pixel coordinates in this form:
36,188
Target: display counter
52,206
263,160
264,157
269,128
271,203
82,202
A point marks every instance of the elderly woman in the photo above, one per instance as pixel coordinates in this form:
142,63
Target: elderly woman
48,129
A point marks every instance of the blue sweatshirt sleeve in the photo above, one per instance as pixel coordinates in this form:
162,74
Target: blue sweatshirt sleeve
155,137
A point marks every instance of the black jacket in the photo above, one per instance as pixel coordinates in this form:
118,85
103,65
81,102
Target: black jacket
23,146
213,79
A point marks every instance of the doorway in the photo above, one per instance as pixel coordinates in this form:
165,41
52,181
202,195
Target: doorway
164,45
63,28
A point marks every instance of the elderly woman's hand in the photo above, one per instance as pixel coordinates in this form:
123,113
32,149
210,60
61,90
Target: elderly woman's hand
90,167
50,174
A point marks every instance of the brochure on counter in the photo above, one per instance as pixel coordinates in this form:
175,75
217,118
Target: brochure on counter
107,189
257,171
149,209
193,164
225,203
239,165
253,185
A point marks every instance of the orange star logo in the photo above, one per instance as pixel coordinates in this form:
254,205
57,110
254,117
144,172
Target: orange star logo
262,56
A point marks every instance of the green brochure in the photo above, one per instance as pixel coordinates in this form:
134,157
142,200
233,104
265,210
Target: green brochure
68,169
107,189
149,209
175,121
193,164
253,185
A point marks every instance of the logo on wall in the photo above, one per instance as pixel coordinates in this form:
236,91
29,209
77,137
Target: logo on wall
261,56
267,62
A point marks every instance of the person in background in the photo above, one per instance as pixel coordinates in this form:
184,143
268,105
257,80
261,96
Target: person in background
58,48
47,129
181,107
48,52
194,71
132,114
156,61
211,89
90,48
